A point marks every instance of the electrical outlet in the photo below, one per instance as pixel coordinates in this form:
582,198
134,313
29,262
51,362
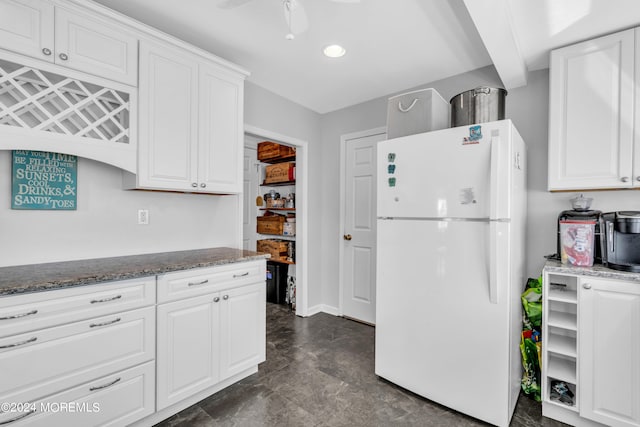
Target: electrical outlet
143,216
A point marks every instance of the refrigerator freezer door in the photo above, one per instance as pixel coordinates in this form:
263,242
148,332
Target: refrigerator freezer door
437,332
453,173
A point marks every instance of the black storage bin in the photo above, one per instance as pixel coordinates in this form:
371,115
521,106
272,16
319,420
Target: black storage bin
277,282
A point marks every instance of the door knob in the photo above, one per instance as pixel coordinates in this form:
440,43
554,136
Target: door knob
347,237
586,286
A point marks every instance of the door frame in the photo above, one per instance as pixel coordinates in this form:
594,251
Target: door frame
302,211
343,205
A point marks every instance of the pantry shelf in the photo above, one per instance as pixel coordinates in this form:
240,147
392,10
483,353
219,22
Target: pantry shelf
278,184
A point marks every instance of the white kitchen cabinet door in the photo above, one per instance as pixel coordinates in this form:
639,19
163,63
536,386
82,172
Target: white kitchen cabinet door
609,351
26,27
221,131
636,141
591,114
168,147
91,45
188,347
243,329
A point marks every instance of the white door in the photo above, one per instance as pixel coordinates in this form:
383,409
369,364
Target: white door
90,45
591,113
168,150
249,194
358,263
188,348
242,328
609,372
220,136
26,26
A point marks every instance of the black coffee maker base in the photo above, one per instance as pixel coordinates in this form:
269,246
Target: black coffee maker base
633,268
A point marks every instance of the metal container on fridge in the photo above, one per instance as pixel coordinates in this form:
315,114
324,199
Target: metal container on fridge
480,105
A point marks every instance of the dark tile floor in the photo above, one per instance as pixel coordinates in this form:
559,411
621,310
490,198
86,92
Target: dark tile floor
320,372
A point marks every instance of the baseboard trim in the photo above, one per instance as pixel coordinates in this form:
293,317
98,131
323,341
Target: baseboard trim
322,308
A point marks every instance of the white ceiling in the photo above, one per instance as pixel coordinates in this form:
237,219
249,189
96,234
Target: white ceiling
392,45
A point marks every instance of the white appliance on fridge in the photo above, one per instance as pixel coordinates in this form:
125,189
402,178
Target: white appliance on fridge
450,266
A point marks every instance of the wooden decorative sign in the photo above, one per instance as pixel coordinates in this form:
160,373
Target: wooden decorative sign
46,181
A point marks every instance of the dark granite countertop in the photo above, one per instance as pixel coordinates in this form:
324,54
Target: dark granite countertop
56,275
597,270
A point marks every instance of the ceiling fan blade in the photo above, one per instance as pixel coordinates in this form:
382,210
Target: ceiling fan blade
296,16
231,4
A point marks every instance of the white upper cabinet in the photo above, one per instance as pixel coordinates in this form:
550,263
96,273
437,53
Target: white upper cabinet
84,42
167,157
591,114
191,123
26,26
221,130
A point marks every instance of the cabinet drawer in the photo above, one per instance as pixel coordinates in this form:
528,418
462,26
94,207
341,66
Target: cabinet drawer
29,312
201,281
37,364
117,399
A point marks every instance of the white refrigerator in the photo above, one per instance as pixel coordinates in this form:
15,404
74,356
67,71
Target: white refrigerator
451,213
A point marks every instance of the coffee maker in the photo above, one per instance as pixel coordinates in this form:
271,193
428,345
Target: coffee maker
620,240
581,212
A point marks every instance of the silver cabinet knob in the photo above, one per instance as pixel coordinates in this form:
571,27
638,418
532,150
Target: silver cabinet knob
203,185
638,178
216,299
194,185
587,286
226,297
46,51
624,179
63,56
347,237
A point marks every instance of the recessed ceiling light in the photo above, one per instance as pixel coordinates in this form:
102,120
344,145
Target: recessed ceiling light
334,51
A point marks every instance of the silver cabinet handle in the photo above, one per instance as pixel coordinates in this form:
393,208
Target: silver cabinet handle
46,51
203,185
198,283
19,417
587,286
235,276
63,56
17,316
96,301
216,299
18,344
624,179
111,322
226,297
100,387
194,185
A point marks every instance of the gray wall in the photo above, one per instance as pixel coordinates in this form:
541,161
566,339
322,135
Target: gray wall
526,106
105,223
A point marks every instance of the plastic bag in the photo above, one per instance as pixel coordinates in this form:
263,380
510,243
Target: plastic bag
532,304
531,339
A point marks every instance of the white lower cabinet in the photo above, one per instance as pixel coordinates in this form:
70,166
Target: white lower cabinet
80,356
207,339
590,346
112,400
609,349
110,355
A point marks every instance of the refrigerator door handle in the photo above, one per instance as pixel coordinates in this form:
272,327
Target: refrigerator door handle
494,172
493,262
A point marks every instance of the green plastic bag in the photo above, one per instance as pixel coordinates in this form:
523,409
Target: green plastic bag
531,363
532,304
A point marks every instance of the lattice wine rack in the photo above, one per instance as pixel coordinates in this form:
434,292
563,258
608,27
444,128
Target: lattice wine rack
40,100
